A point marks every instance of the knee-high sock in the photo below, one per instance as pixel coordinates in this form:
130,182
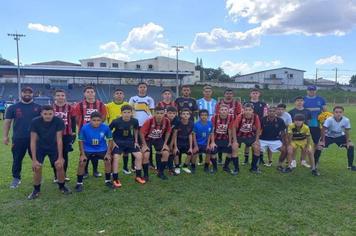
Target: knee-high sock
350,156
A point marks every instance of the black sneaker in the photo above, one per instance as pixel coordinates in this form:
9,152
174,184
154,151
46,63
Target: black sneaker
287,170
65,190
86,175
146,178
256,171
162,176
35,194
315,172
79,188
235,172
108,184
97,174
227,169
245,161
280,168
352,168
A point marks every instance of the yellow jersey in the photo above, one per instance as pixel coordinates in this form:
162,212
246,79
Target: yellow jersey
298,133
114,110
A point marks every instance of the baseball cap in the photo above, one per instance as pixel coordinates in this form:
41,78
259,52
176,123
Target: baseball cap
27,89
311,87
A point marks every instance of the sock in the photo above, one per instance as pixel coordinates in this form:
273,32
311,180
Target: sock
235,161
170,162
79,179
145,169
61,185
55,172
151,158
200,158
317,155
350,156
180,158
65,165
107,177
115,176
132,162
220,156
227,162
86,170
193,166
261,161
246,156
138,173
254,162
163,166
206,165
95,164
125,160
185,165
158,160
215,164
37,187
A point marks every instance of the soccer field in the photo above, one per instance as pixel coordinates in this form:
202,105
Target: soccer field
202,204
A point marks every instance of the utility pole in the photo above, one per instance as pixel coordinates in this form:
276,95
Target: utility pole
316,76
335,76
178,48
17,38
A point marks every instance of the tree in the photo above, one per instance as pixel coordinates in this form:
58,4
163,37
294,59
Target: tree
353,80
4,62
216,75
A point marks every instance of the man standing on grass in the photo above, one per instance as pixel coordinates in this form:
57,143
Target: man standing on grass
46,140
21,114
187,102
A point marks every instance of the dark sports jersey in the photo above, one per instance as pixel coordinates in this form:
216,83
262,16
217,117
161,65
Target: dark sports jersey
165,105
84,109
66,113
189,103
221,127
22,115
124,130
151,129
260,108
305,112
235,107
47,132
245,127
174,123
183,131
272,128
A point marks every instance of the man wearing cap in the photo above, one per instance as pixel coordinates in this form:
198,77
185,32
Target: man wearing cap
21,115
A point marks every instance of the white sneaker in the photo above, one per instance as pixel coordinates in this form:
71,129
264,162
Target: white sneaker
305,164
269,164
293,164
186,170
126,172
55,181
177,171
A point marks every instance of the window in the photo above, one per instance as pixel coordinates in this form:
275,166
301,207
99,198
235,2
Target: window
291,76
115,65
273,76
102,64
150,67
90,64
138,67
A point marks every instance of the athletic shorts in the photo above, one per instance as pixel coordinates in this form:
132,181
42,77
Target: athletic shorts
273,145
128,147
222,147
183,147
41,155
248,141
315,134
299,144
339,141
95,155
202,149
156,143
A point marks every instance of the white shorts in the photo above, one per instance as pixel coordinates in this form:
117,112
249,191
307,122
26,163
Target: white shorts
274,145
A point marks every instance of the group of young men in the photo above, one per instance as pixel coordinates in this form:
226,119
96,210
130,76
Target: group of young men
196,128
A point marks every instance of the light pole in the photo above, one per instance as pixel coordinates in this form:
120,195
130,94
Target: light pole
178,48
17,38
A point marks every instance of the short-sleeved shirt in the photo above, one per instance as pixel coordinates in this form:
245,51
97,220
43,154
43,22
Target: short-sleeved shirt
22,115
84,109
142,107
183,131
2,105
166,105
47,132
272,128
315,106
152,130
124,130
221,127
235,107
114,110
190,103
336,128
202,132
94,139
207,105
65,113
300,133
287,118
247,127
305,112
260,108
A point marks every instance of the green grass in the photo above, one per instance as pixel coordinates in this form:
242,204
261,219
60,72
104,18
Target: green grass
200,204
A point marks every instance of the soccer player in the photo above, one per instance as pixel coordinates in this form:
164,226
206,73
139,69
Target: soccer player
246,129
167,100
114,112
187,102
221,139
125,136
174,120
272,131
21,115
65,112
299,136
2,108
281,113
93,145
183,141
155,132
336,129
202,131
46,140
286,117
207,102
83,111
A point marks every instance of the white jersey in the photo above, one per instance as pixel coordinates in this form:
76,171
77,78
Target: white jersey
142,108
208,105
336,128
286,117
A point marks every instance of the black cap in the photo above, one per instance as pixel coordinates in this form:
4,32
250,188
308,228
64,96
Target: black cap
27,89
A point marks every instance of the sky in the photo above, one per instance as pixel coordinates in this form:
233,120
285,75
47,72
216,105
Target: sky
240,36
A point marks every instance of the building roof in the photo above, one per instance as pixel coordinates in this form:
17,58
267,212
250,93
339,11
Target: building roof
55,63
157,58
263,71
102,58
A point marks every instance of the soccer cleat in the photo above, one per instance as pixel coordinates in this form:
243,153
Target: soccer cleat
269,164
280,168
146,178
245,161
352,168
126,172
235,172
97,174
227,169
55,181
256,171
186,170
35,194
15,183
116,184
287,170
162,176
213,171
293,164
65,190
305,164
140,180
66,179
206,170
79,187
177,171
315,172
172,173
85,176
108,183
200,163
153,167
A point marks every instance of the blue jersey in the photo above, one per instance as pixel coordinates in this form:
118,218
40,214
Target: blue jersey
208,105
202,132
315,106
94,139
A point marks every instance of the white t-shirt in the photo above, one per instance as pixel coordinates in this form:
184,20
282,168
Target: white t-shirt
286,118
336,129
142,107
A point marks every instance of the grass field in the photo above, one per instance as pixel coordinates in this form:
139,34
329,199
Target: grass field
200,204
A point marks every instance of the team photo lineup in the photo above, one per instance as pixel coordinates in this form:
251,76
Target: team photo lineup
170,137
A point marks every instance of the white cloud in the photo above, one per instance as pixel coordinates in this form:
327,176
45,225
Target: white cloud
332,60
110,46
43,28
233,68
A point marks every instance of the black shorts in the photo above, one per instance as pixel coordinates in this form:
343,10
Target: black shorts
339,141
127,147
156,143
95,155
202,149
222,147
67,143
315,134
183,147
248,141
41,155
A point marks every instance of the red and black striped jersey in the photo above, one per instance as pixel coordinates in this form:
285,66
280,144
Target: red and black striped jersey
247,127
235,107
66,113
152,130
84,109
221,127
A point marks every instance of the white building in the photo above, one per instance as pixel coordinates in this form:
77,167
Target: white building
279,78
102,62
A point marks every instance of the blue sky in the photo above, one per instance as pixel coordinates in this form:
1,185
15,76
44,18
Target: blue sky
237,35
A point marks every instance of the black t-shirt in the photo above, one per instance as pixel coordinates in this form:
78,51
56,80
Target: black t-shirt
305,112
183,131
22,115
189,103
174,123
47,132
258,108
124,130
271,129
